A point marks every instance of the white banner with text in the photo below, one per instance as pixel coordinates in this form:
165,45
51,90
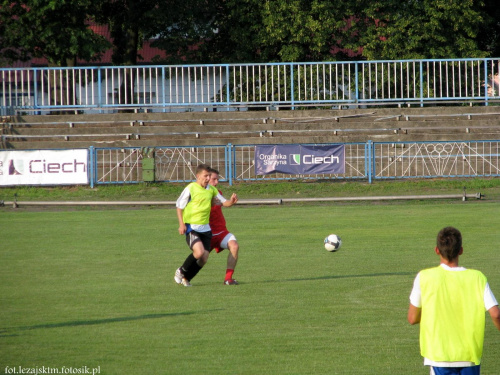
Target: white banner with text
44,167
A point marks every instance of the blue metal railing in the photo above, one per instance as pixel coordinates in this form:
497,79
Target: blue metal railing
167,88
363,160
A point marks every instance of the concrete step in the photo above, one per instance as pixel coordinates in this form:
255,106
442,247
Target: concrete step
216,132
206,128
276,126
293,138
341,115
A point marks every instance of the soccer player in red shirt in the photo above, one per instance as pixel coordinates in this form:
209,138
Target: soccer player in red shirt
221,237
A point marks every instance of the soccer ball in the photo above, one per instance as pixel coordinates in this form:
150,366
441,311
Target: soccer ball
333,243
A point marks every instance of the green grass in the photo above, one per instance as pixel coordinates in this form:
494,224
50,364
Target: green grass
490,187
95,288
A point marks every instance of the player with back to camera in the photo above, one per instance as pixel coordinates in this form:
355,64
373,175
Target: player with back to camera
193,213
221,237
450,302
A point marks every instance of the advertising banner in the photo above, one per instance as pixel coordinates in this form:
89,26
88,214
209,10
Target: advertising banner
44,167
299,159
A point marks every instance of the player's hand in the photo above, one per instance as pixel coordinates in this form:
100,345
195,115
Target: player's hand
234,198
182,229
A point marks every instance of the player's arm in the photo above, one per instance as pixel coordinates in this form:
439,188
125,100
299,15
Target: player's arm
414,314
491,305
229,202
219,200
182,225
495,316
181,203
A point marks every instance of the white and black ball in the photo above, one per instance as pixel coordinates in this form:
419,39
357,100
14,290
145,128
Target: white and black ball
333,243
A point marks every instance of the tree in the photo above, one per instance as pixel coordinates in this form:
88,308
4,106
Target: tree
182,28
303,30
221,31
55,30
489,35
417,29
129,22
281,30
316,30
237,26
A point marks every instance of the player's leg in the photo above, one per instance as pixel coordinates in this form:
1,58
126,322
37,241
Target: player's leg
199,243
201,257
232,245
196,260
232,258
200,253
215,243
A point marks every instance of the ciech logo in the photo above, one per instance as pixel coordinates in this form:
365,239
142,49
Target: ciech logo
43,166
297,159
16,167
294,159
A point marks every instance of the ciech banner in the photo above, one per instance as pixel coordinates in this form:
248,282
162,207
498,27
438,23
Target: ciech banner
44,167
300,159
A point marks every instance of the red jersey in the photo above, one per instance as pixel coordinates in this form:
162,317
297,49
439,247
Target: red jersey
217,220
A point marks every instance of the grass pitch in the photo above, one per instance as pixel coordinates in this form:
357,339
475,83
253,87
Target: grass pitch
95,288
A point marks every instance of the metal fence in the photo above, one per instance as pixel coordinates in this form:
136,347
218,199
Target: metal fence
436,159
356,163
240,86
364,161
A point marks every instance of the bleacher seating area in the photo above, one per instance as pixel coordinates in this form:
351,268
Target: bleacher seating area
250,127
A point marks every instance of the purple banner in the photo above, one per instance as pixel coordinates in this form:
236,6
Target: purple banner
299,159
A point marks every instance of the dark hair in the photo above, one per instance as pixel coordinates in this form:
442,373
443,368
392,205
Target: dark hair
449,242
213,170
202,167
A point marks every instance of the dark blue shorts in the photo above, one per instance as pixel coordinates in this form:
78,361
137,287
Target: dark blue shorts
473,370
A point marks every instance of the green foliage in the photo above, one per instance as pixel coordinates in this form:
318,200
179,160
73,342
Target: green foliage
298,30
488,37
251,31
236,26
181,28
320,30
279,31
55,30
422,29
129,22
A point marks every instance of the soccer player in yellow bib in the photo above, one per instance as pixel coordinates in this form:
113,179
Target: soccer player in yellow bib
193,212
450,303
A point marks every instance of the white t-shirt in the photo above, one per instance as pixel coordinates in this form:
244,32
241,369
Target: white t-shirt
416,300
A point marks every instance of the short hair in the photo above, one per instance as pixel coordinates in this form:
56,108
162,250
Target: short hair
213,170
201,168
449,243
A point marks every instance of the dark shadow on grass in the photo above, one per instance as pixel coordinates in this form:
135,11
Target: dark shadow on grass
5,332
326,277
333,277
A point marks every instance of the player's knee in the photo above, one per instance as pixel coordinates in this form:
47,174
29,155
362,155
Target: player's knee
204,258
234,248
199,252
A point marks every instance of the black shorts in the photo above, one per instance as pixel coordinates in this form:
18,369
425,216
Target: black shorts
193,237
